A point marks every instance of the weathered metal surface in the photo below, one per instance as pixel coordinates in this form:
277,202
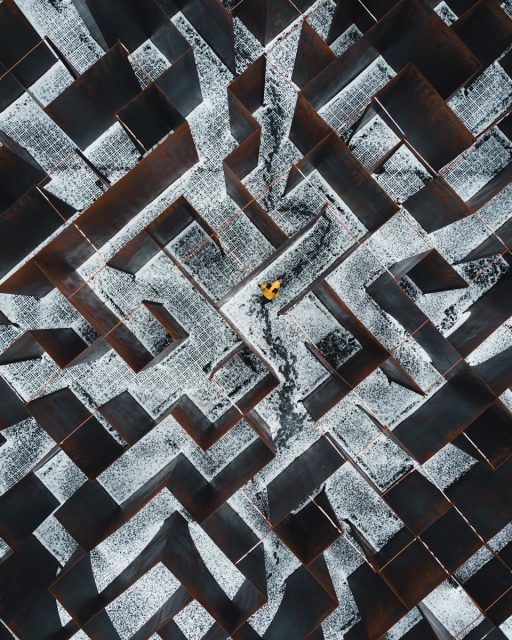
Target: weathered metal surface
181,457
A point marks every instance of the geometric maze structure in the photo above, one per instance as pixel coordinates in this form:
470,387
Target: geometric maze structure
177,459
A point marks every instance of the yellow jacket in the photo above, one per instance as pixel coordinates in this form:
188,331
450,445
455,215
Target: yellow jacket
270,291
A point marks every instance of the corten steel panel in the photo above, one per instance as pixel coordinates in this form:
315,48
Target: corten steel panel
489,583
76,589
10,88
289,488
428,123
180,83
303,5
235,475
23,226
60,271
174,219
394,371
204,498
170,41
27,606
85,300
131,350
378,605
364,16
245,95
22,46
232,534
88,513
326,396
501,610
433,274
301,587
403,571
87,108
451,539
499,182
205,432
12,409
495,372
135,254
28,280
483,498
313,55
213,21
130,22
506,553
266,18
190,487
349,374
23,509
343,314
349,179
34,64
242,160
127,416
487,314
184,561
308,129
505,124
19,172
460,6
295,531
496,245
506,63
94,351
302,477
19,35
379,8
337,75
91,448
59,413
417,501
395,545
238,164
352,12
392,298
436,205
447,413
413,33
158,234
61,345
168,322
410,33
243,124
127,197
491,433
92,26
150,116
69,250
486,29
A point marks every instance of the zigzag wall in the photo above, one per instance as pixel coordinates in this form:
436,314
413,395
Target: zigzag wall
178,460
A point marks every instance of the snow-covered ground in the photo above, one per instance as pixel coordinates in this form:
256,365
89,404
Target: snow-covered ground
213,292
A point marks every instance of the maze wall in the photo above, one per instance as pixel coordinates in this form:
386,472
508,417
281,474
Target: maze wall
179,461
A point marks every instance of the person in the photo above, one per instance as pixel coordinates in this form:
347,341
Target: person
270,290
